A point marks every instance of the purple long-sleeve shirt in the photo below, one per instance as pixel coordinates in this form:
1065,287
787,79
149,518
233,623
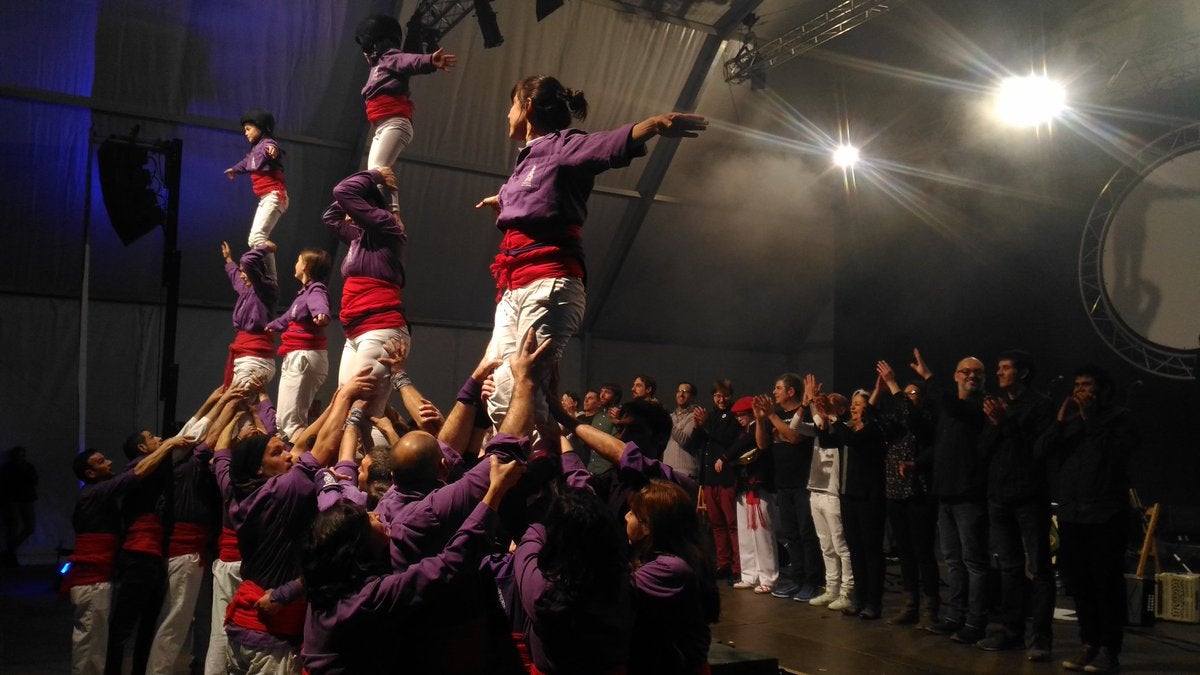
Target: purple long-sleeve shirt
671,633
196,497
376,238
594,639
331,488
633,472
98,509
667,597
391,70
258,159
252,311
554,176
311,302
270,522
266,414
352,637
421,528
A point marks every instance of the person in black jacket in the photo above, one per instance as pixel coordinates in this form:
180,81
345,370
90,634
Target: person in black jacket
1089,443
714,433
1019,505
960,485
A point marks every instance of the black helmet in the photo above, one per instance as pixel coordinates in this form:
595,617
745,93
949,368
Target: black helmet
260,118
378,33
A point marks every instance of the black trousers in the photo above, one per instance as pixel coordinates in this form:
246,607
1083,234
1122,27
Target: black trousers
862,521
1092,559
914,524
139,584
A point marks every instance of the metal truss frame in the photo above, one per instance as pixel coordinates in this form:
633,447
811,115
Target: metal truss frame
754,60
1151,357
1158,68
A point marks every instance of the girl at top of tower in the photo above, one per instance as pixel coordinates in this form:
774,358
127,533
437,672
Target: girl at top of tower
386,93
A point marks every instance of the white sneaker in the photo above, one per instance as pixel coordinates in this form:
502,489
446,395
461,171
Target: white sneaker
743,584
823,599
841,603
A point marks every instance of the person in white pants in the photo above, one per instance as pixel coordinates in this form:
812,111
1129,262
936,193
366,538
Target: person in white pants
302,342
755,504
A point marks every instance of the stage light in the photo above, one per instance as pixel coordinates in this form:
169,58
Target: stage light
845,156
487,24
1029,101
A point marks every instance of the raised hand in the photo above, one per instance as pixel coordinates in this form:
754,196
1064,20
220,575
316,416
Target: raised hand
389,176
529,358
680,125
443,61
918,365
763,406
396,358
884,369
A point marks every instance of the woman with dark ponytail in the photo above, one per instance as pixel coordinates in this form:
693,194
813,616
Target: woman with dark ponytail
540,269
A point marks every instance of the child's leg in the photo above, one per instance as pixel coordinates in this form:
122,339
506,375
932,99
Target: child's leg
300,375
392,136
270,207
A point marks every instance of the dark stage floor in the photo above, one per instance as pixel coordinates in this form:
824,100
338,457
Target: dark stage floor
35,627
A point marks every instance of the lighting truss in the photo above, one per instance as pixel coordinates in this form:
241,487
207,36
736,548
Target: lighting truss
1153,358
752,60
1159,68
432,20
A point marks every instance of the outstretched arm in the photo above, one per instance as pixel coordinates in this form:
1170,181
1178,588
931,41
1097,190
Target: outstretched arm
669,125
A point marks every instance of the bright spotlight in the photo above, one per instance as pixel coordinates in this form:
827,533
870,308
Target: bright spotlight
1029,101
845,156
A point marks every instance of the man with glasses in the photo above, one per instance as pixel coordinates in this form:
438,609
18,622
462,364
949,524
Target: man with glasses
960,485
679,455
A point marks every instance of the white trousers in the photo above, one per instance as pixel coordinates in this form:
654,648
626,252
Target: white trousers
391,137
246,367
247,661
227,576
89,634
827,520
300,376
184,574
554,308
270,207
756,545
363,351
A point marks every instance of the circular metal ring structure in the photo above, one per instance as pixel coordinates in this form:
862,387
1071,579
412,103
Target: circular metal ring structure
1139,260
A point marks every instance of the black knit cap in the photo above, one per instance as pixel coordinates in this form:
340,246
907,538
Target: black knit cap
260,118
246,458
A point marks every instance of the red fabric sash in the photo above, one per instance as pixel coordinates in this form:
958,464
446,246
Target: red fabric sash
299,336
187,538
523,651
370,304
754,514
227,547
286,624
145,535
523,260
249,343
265,182
92,561
386,106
